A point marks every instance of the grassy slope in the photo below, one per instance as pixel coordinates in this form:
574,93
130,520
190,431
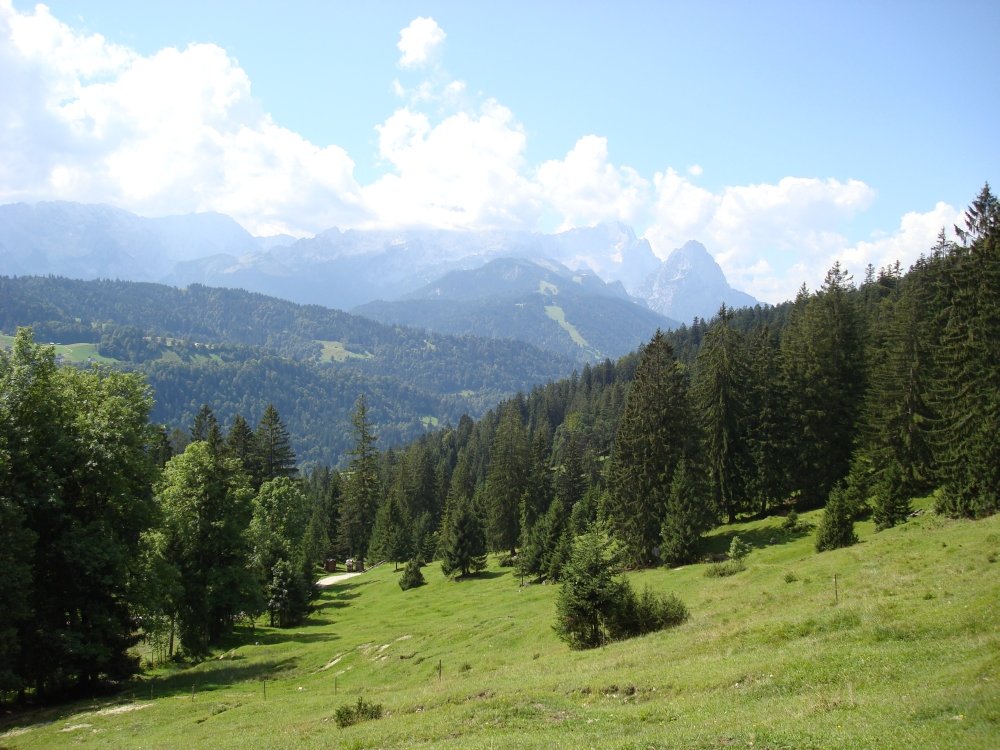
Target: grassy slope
908,657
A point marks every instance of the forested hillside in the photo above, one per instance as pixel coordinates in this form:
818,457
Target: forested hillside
240,351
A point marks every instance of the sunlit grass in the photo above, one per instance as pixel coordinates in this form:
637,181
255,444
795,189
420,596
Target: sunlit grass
903,652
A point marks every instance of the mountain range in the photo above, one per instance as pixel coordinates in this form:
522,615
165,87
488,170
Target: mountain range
339,269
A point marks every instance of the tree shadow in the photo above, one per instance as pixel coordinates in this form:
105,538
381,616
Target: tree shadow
484,575
207,676
716,546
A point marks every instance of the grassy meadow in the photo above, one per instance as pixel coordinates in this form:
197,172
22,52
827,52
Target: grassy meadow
903,653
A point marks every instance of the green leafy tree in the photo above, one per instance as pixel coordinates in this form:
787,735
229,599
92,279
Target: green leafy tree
205,501
75,475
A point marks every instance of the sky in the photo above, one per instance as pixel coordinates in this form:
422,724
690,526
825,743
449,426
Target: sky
784,136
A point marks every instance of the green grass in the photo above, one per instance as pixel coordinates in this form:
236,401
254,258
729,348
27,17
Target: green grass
906,656
557,314
75,353
335,351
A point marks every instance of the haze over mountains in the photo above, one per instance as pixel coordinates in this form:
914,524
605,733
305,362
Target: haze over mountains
352,268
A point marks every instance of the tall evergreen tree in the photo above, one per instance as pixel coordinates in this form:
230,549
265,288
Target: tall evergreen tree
656,430
824,383
277,459
720,395
362,487
687,514
506,481
464,544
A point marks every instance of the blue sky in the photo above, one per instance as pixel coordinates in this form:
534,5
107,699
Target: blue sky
782,135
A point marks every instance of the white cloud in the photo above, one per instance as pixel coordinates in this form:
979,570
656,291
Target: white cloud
462,172
418,41
173,132
695,170
794,225
585,188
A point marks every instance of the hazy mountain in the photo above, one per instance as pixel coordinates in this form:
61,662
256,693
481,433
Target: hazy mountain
341,269
97,241
542,303
690,283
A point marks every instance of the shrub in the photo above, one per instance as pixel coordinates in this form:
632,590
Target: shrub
350,714
738,550
508,561
836,529
594,607
791,522
723,569
412,577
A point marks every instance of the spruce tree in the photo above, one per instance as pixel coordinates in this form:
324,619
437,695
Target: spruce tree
655,431
719,391
687,515
836,528
506,481
464,545
362,487
277,459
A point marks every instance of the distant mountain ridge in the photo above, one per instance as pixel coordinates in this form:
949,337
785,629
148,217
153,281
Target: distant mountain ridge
541,303
337,268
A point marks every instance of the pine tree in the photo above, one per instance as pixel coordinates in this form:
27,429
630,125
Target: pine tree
836,528
506,481
241,442
687,515
362,487
204,420
720,395
656,430
277,459
464,546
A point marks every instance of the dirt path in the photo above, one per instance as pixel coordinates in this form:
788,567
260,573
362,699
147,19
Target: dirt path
336,578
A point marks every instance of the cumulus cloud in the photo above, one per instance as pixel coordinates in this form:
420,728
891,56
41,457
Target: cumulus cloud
462,172
585,188
770,238
173,132
418,41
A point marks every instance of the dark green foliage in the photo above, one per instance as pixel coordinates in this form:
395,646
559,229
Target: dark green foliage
75,501
362,488
595,606
464,543
686,515
412,576
288,593
505,481
720,395
836,528
353,713
656,431
205,502
274,447
646,613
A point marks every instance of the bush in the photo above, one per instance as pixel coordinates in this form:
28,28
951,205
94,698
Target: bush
791,522
836,529
594,607
738,550
723,569
412,577
350,714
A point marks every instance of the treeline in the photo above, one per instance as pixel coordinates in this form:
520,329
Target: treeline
864,395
